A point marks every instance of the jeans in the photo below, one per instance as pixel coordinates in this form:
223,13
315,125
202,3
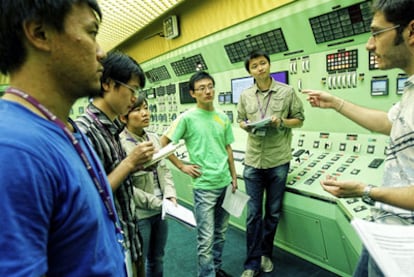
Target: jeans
261,229
154,233
212,222
367,266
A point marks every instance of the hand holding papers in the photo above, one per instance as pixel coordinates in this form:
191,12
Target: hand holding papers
260,124
162,153
391,246
258,128
234,203
178,212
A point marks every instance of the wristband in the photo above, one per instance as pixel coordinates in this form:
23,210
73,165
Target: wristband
366,197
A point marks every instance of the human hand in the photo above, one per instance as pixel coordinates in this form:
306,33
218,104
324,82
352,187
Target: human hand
342,189
173,199
234,185
142,153
191,169
243,125
276,122
320,99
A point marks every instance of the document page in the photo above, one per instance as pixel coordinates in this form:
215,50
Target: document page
162,153
178,212
260,123
234,203
391,246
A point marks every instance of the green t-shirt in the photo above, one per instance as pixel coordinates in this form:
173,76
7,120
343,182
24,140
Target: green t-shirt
206,135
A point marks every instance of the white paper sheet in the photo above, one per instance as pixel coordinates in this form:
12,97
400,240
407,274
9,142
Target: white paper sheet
234,203
261,123
178,212
391,246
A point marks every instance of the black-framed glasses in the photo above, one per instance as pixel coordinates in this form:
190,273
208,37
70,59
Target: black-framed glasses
376,33
205,88
135,91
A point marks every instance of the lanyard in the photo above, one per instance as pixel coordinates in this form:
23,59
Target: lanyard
263,113
131,138
103,190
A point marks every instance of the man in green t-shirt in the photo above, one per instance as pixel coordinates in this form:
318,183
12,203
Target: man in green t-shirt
207,134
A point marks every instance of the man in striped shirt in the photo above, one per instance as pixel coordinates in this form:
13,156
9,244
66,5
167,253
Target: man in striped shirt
121,80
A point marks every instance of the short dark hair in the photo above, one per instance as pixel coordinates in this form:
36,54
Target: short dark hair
13,13
121,67
399,12
199,75
253,55
140,100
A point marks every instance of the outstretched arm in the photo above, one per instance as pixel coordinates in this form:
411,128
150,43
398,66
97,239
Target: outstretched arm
397,196
374,120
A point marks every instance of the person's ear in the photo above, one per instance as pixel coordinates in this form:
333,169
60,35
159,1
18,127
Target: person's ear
192,93
123,119
106,85
37,34
410,38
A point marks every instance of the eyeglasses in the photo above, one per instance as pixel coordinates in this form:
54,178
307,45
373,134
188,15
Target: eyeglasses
376,33
135,91
204,89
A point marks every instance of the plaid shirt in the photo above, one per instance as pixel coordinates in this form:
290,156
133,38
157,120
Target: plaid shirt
104,136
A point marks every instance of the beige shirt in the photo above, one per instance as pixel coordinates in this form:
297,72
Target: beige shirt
146,183
274,148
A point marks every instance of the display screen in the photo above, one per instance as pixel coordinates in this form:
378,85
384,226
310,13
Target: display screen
400,84
221,98
227,98
185,97
238,85
230,115
379,87
281,76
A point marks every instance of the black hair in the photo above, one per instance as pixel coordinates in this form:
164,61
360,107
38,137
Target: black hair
399,12
253,55
121,67
13,13
199,75
140,100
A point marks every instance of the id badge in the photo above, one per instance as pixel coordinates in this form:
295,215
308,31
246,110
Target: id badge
128,263
260,132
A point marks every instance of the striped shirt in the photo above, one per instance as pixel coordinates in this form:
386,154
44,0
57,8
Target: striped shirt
104,136
399,163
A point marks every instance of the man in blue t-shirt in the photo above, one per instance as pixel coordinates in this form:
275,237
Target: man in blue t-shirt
56,206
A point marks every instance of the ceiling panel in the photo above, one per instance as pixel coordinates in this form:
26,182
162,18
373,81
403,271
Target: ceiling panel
123,18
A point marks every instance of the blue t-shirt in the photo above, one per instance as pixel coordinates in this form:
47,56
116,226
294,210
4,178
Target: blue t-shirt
52,218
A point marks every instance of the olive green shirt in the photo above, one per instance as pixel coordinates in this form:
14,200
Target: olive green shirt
274,148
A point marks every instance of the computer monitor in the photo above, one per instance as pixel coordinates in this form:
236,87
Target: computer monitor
281,76
379,87
185,97
400,84
238,85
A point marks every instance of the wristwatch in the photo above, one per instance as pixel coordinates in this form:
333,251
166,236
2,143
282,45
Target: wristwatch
366,197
